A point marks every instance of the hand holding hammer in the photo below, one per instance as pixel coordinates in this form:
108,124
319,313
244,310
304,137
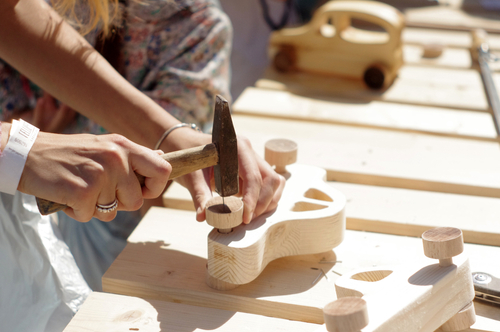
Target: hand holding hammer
221,153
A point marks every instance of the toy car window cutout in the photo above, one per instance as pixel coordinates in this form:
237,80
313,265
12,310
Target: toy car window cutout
361,31
327,29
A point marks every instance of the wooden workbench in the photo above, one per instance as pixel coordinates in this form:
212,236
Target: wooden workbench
165,260
423,153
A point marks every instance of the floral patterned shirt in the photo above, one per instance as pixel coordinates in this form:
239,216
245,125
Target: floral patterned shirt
176,52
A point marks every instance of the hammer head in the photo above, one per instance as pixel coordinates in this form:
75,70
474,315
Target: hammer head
224,138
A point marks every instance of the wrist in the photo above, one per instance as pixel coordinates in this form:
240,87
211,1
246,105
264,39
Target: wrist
14,154
183,137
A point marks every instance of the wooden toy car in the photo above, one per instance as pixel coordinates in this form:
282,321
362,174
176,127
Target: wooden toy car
353,39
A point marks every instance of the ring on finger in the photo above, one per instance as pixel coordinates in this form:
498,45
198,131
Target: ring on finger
106,208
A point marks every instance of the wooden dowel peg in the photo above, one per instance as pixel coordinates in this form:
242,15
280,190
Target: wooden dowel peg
464,319
347,314
280,152
224,216
443,243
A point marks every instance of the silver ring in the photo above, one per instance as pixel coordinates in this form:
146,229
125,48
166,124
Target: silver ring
108,207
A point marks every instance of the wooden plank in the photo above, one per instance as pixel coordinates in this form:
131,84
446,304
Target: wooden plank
433,294
449,38
371,114
400,211
451,57
452,17
385,158
165,259
103,312
419,85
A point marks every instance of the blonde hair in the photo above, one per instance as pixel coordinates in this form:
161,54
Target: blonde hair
97,13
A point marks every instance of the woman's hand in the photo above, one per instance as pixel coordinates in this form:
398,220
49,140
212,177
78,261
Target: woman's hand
84,170
260,186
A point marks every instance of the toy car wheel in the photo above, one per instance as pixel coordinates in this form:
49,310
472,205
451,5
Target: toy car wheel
375,77
284,60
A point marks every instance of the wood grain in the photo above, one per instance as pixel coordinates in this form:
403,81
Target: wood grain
165,259
414,298
310,219
400,211
369,114
385,158
104,312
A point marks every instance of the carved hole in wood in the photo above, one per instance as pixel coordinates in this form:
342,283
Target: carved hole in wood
372,276
282,232
319,195
306,206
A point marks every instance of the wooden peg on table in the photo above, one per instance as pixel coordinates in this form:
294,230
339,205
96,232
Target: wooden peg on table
417,297
347,314
280,153
443,243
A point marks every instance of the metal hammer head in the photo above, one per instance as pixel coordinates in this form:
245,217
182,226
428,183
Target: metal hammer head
224,138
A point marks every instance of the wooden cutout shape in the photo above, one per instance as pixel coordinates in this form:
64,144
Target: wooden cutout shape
330,44
417,297
309,219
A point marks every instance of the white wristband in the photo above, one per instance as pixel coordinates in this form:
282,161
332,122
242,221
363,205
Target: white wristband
15,153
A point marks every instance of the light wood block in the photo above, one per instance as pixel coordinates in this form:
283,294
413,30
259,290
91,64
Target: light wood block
310,219
104,312
370,114
413,298
400,211
385,158
419,85
165,259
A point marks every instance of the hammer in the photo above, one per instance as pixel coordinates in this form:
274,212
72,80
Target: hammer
222,153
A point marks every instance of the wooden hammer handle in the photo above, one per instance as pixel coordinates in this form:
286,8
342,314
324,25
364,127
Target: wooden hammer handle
183,162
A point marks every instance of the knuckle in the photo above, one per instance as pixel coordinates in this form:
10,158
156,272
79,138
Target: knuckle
136,204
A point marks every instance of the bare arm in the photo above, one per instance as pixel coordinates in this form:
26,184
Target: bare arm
38,43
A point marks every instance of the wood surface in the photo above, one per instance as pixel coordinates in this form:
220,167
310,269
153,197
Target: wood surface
400,211
418,85
449,38
412,298
165,259
104,312
370,114
310,219
385,158
449,58
453,16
